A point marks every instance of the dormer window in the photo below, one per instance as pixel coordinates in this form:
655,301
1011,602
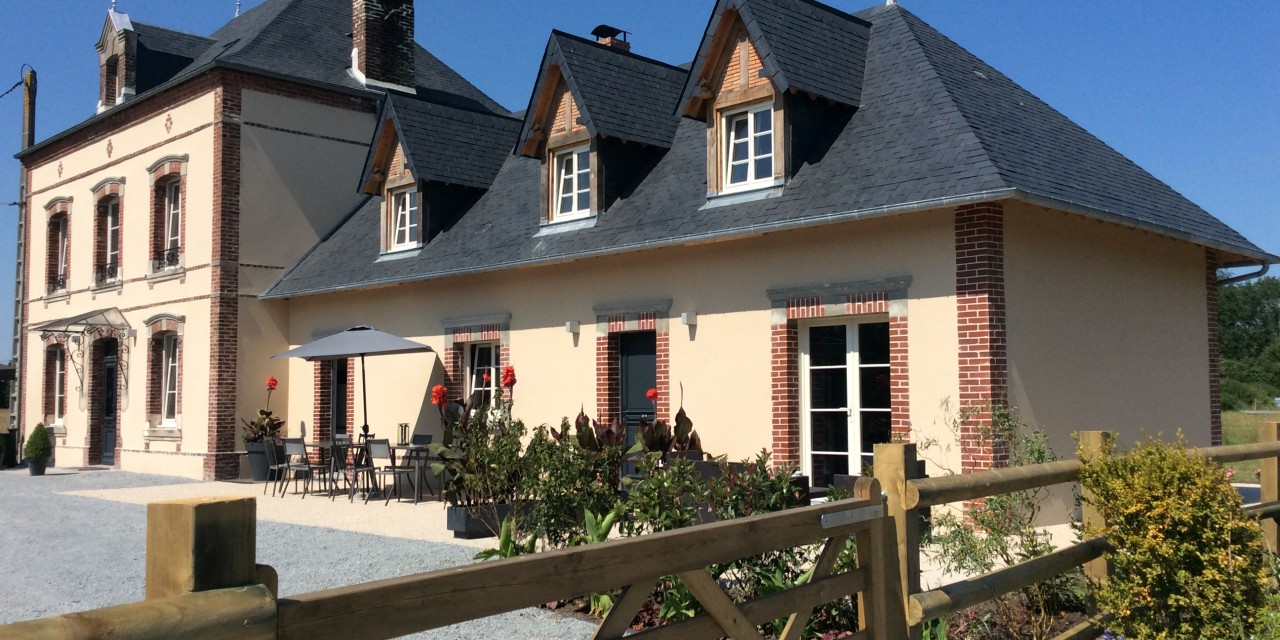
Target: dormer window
405,227
572,198
748,148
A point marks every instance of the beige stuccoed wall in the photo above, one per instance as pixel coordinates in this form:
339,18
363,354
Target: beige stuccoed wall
1108,329
724,364
188,132
300,164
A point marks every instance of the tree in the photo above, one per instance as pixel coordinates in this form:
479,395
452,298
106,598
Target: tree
1249,338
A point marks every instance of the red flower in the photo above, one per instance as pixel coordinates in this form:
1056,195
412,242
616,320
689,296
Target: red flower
438,395
652,394
487,377
509,377
272,383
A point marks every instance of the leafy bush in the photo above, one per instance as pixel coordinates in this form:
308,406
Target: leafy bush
566,478
1001,530
38,446
1188,562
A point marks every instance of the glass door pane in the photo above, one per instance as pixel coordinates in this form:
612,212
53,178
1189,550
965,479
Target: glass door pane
827,385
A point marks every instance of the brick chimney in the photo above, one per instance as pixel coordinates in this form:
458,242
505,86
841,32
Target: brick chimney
611,37
382,41
117,61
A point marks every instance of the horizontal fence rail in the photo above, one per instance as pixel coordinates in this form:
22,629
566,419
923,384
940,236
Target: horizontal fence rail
245,613
908,495
399,606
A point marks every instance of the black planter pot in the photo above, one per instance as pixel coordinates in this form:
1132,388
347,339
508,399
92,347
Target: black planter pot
259,470
476,522
36,466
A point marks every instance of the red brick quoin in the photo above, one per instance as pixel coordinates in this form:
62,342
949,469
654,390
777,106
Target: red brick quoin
981,324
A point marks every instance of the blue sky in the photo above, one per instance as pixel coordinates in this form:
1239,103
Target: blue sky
1190,91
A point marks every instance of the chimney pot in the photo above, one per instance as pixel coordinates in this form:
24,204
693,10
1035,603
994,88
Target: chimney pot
611,37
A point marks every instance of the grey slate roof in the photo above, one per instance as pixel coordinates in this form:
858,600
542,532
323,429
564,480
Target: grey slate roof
301,40
802,44
177,43
450,145
930,133
622,95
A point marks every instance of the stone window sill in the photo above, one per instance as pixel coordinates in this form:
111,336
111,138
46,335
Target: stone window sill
164,275
163,434
107,287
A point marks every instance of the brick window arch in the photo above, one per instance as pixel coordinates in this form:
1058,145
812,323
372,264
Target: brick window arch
164,371
168,213
108,236
57,245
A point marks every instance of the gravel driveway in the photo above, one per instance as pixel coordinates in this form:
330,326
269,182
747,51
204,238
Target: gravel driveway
64,553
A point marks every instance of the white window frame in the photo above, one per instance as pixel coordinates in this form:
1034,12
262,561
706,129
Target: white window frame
113,234
570,180
173,216
474,376
405,215
59,384
854,410
169,380
752,114
60,236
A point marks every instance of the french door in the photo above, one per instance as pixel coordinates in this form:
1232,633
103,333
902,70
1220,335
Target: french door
844,396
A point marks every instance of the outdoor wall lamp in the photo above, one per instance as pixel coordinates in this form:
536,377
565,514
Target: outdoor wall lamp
572,326
689,318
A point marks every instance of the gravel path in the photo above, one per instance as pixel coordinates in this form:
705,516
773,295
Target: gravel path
64,553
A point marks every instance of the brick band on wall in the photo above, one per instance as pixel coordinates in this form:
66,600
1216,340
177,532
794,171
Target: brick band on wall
1211,264
222,462
981,323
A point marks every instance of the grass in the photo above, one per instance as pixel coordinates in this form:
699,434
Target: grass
1242,428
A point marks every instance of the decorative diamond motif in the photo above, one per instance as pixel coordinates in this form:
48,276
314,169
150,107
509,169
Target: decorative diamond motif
110,148
168,123
59,168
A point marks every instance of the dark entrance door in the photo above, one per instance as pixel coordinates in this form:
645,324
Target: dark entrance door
109,380
638,371
338,398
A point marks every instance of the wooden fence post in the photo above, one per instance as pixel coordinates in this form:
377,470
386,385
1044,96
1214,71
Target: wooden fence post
1091,444
1270,480
200,544
894,465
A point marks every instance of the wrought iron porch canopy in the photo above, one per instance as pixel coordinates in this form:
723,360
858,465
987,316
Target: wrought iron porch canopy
84,324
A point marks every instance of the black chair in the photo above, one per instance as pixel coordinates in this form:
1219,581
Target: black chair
296,466
381,450
276,468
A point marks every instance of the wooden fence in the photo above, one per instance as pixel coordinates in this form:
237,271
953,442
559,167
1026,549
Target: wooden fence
202,580
898,469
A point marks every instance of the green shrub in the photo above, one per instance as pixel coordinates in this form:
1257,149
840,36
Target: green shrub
1188,562
567,479
38,444
1002,530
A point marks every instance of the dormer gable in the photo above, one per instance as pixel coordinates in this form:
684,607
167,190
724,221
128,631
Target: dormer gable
117,61
796,45
429,163
598,117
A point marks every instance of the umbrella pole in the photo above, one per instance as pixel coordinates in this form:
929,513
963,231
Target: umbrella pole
364,390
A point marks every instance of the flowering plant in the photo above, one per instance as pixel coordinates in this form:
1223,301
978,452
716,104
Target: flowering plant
265,426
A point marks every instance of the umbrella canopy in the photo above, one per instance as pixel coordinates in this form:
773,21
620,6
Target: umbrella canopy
357,341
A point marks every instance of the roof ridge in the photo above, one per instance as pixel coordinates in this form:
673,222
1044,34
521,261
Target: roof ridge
840,13
912,21
170,29
557,32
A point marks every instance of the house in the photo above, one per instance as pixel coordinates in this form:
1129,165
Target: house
828,230
152,228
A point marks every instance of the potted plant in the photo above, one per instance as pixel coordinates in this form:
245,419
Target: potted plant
265,429
37,450
481,461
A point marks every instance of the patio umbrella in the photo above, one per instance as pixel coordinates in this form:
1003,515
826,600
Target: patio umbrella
357,341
